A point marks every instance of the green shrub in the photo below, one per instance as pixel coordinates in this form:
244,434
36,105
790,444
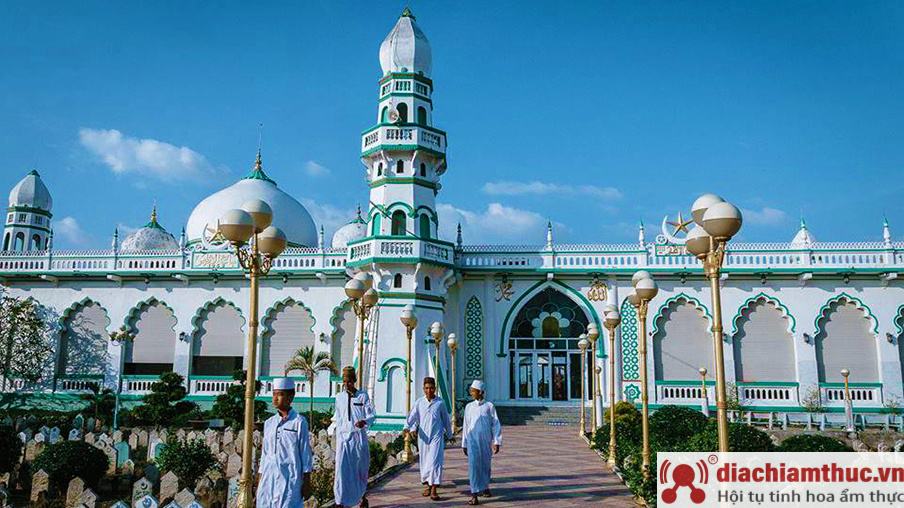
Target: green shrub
813,443
628,438
188,459
65,460
741,438
164,406
644,488
623,409
378,458
10,449
672,426
230,406
320,420
322,483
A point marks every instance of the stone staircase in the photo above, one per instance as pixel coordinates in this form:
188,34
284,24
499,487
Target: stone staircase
539,415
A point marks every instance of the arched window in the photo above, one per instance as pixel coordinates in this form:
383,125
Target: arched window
384,114
549,312
424,226
763,346
398,223
397,280
35,242
6,242
375,225
421,115
682,343
845,341
19,244
399,166
403,112
423,169
380,169
427,284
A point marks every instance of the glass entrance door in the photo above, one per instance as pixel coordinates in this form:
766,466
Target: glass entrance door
543,375
559,376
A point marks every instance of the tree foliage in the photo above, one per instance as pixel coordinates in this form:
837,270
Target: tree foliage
188,459
310,364
230,406
165,405
65,460
10,449
25,339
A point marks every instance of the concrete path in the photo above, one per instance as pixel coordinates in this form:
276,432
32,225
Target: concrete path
538,466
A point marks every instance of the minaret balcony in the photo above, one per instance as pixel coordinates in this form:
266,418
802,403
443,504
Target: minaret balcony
399,249
403,137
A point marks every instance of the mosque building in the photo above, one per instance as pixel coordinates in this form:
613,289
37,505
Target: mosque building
795,313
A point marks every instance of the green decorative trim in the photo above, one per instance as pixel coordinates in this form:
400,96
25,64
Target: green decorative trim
405,180
388,364
140,376
766,298
335,316
422,97
410,125
207,307
407,75
27,226
386,427
402,305
392,417
767,383
134,312
210,378
409,260
401,148
84,302
533,290
279,306
30,209
675,299
851,385
821,315
417,296
673,382
630,355
899,320
473,339
430,211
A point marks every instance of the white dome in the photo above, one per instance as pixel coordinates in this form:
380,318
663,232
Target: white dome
406,48
288,214
151,236
31,192
354,230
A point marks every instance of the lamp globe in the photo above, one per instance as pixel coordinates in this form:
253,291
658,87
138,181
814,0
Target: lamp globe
271,241
236,225
722,220
701,204
261,213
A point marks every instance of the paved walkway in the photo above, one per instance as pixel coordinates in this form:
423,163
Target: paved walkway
539,465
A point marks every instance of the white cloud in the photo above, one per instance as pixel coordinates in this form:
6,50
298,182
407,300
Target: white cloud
69,229
145,157
765,216
511,188
312,168
329,216
497,224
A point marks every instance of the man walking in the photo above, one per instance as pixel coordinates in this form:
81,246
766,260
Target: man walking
353,414
284,480
430,418
481,432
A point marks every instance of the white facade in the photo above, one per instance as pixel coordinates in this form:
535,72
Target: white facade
794,313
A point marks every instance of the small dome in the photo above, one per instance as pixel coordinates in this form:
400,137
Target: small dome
354,230
151,236
288,214
803,236
31,192
406,48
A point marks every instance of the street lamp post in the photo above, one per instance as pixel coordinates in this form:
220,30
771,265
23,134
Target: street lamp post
613,319
359,290
410,321
848,403
703,394
583,344
645,289
717,221
436,331
452,342
593,333
239,226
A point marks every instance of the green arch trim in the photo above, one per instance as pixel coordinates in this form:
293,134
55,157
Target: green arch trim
279,305
762,297
536,288
430,211
681,296
216,302
335,315
388,364
84,302
132,316
400,204
822,314
899,320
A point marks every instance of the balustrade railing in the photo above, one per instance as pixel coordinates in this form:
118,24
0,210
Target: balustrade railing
767,394
404,134
861,394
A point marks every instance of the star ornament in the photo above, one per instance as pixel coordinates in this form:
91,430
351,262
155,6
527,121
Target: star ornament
680,224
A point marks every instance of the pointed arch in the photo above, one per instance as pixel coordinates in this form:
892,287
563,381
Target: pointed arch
288,325
343,335
676,299
763,342
217,339
682,340
846,339
210,304
762,297
138,308
532,291
152,323
83,339
824,310
899,320
473,340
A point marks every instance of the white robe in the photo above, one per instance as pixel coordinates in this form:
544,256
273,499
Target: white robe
481,431
285,457
431,420
352,450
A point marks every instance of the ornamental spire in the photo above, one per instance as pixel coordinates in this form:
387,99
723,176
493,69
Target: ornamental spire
548,235
458,236
641,236
886,232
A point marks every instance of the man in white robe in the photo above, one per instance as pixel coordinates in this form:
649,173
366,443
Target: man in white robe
353,414
481,438
430,418
284,478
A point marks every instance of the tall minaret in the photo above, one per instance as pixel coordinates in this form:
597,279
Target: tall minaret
28,216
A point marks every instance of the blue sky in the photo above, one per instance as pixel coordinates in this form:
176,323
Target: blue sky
593,115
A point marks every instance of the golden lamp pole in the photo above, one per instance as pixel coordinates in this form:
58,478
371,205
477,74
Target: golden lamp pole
593,333
848,403
703,394
717,221
410,321
645,289
436,331
452,342
360,292
583,344
613,319
238,226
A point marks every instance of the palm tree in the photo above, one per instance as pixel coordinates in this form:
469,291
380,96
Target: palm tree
309,364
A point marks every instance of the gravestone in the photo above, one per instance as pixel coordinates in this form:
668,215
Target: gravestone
232,493
152,445
117,436
39,484
228,436
110,452
191,436
45,430
40,437
128,467
78,422
184,498
142,438
120,504
147,501
75,435
104,438
22,437
133,440
152,473
204,491
90,424
90,438
233,465
169,487
143,487
54,435
74,492
89,499
122,452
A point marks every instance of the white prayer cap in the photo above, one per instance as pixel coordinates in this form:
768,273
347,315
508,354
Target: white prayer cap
284,383
477,385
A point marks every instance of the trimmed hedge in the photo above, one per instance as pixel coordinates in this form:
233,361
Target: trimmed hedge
672,426
741,438
65,460
813,443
